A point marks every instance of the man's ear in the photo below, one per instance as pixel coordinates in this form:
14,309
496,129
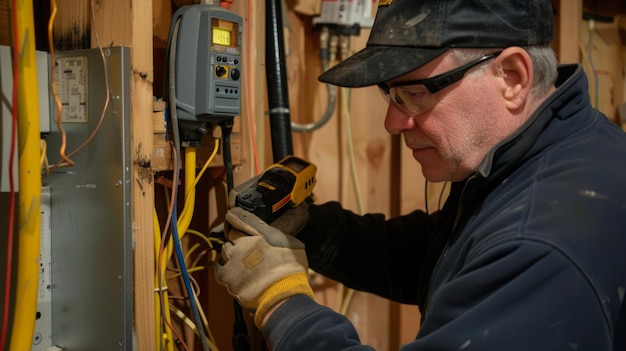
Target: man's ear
515,72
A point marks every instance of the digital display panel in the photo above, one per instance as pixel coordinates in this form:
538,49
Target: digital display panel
295,164
224,32
221,36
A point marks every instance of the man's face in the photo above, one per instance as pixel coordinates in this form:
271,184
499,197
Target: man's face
451,138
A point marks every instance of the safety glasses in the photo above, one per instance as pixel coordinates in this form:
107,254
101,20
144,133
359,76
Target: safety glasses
414,97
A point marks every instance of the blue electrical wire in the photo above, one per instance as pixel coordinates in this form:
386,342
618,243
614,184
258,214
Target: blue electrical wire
187,281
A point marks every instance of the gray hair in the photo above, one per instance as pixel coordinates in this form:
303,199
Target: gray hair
543,59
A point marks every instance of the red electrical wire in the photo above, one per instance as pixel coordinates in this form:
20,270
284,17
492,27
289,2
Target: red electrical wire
9,266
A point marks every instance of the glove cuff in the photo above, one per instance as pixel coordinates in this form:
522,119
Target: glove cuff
293,284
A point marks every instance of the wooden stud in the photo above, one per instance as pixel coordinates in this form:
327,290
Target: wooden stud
569,18
118,23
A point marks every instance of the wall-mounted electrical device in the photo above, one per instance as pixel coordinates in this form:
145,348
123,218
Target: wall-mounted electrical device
345,16
6,138
88,262
6,75
6,85
207,63
42,337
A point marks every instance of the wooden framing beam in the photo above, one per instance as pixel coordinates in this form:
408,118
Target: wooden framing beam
129,23
569,18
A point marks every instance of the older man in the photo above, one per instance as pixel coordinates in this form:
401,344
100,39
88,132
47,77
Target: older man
529,250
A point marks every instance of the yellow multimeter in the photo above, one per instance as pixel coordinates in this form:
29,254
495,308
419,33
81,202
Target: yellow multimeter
282,186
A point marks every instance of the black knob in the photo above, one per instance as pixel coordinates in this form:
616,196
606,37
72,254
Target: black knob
235,74
220,71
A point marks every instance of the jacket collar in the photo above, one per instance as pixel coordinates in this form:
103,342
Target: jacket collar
536,134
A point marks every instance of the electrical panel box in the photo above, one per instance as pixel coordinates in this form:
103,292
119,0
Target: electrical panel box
343,15
6,100
206,43
42,337
6,140
43,84
90,249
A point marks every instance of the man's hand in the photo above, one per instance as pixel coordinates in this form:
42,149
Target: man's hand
293,220
261,266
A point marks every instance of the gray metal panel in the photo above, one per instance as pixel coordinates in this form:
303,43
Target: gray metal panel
91,236
6,80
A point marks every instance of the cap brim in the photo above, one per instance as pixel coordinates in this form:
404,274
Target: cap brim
378,64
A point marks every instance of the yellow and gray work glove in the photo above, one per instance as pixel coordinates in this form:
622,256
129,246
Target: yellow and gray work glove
293,220
261,266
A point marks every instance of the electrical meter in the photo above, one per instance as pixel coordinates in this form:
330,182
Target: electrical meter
282,186
207,62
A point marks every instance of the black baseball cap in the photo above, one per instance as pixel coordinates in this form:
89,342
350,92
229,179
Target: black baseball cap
407,34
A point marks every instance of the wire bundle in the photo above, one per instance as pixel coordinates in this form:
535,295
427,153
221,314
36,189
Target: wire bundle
168,244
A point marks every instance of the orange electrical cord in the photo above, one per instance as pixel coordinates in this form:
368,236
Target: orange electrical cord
54,89
65,161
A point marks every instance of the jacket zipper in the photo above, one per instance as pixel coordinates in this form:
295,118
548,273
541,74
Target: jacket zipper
444,252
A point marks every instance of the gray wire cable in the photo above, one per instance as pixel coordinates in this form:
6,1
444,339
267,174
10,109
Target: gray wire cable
332,91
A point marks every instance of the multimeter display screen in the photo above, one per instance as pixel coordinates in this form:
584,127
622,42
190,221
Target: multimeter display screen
221,37
295,164
223,32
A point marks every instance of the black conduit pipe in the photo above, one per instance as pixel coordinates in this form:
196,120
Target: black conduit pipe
277,93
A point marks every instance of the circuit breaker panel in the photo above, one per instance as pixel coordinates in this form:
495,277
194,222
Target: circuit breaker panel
90,203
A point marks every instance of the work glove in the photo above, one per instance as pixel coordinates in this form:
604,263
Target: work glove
293,220
260,265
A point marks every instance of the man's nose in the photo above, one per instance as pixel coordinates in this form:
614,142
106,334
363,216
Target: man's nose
396,121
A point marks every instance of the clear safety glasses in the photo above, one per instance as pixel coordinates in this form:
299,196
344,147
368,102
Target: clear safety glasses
414,97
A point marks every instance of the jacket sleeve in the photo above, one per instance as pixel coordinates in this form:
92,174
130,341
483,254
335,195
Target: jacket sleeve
368,253
302,324
514,297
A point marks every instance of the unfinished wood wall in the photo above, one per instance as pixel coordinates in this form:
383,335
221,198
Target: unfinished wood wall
389,180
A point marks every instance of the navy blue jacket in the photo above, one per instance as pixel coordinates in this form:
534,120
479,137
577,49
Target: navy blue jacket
529,253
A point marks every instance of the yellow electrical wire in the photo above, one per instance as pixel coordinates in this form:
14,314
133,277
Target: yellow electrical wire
191,180
207,240
347,301
180,314
188,255
205,322
190,191
29,200
162,253
189,270
346,295
160,287
43,161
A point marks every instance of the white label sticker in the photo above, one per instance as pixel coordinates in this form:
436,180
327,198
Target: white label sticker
73,88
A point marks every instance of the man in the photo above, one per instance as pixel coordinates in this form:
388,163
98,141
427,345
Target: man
529,250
